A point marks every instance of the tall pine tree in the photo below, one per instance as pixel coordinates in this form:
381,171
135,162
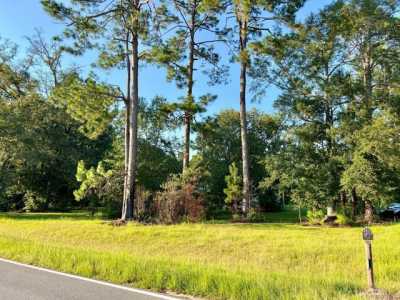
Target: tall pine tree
90,23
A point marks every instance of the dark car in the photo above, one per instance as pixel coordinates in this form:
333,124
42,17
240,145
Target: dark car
392,212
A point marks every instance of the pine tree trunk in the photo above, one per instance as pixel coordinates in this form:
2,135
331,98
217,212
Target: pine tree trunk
188,113
299,210
127,121
243,119
354,203
367,66
343,198
133,128
367,81
186,153
126,161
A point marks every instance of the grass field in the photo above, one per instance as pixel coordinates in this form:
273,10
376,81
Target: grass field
214,261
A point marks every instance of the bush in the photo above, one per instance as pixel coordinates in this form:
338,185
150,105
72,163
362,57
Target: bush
315,216
181,199
144,205
255,216
233,190
34,202
100,188
342,219
12,198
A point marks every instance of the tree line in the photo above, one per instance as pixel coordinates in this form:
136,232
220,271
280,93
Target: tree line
333,140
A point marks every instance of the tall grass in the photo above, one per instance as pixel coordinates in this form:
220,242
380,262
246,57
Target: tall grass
215,261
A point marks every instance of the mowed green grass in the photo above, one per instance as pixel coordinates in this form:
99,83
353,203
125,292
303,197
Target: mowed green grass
213,261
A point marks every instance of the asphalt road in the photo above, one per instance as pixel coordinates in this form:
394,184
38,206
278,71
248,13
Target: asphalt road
23,282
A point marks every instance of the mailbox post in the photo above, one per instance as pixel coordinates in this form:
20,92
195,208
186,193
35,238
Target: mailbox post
368,237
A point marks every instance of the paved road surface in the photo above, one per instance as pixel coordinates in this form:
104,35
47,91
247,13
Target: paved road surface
23,282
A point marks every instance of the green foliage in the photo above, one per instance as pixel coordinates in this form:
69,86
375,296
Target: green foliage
375,165
34,202
334,136
218,146
87,19
197,24
155,165
101,185
44,146
157,145
40,145
101,188
182,50
233,190
90,103
91,179
329,69
343,220
315,216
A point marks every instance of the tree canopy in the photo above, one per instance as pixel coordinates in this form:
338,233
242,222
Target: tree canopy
69,138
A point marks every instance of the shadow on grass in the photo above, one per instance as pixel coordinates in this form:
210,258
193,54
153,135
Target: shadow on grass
288,216
50,216
289,226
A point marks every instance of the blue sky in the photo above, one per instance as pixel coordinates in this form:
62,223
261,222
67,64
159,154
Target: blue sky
19,18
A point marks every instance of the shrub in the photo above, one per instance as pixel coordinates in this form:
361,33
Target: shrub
144,205
11,202
255,216
315,216
100,187
34,202
233,190
342,219
181,199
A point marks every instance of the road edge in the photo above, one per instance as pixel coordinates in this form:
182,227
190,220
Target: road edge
104,283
